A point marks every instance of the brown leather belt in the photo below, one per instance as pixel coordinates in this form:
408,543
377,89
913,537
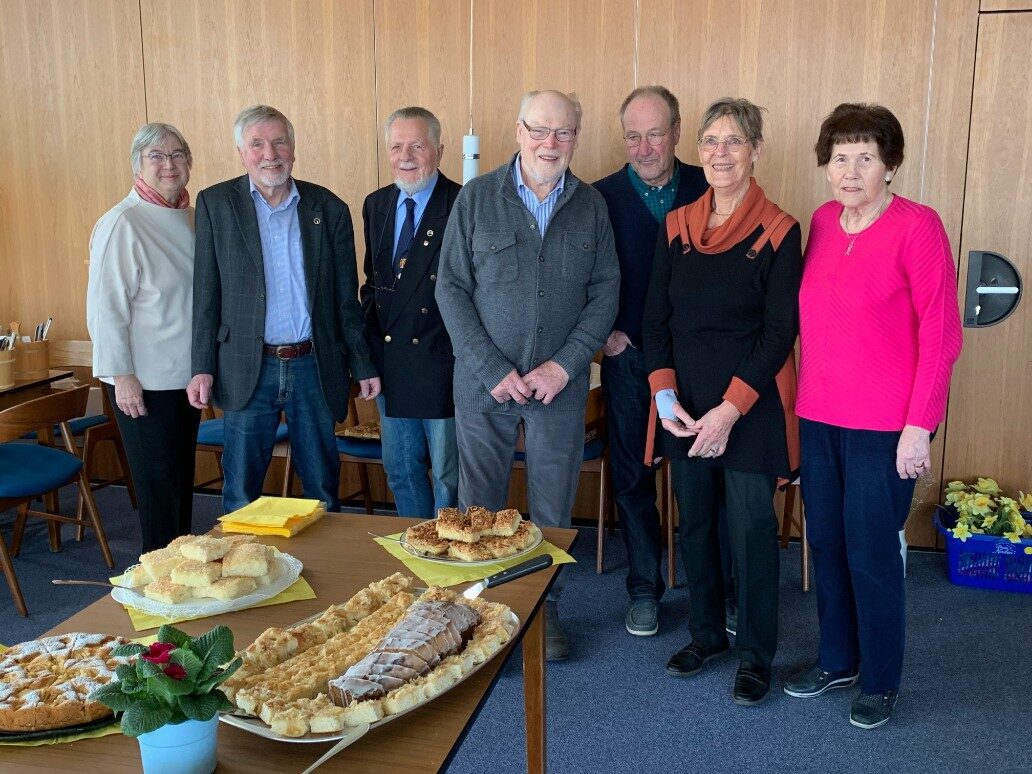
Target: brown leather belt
288,351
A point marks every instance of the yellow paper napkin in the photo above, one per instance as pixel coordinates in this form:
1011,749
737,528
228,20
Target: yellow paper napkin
435,574
143,621
108,730
272,511
288,529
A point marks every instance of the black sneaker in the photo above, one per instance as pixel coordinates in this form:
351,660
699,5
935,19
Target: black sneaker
815,681
871,710
689,660
642,617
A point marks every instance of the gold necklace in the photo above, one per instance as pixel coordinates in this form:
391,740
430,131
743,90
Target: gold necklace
859,231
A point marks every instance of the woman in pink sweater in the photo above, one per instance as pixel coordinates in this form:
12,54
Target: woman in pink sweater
880,332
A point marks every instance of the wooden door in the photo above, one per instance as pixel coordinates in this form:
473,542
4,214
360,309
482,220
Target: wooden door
989,424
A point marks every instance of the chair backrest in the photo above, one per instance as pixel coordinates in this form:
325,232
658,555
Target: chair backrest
45,412
71,353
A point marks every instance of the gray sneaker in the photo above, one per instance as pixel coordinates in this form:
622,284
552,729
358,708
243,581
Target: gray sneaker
642,617
556,646
871,710
815,681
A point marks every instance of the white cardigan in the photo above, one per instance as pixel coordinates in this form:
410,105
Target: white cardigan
139,302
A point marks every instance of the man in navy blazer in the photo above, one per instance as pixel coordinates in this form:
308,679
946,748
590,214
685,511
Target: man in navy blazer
276,322
404,227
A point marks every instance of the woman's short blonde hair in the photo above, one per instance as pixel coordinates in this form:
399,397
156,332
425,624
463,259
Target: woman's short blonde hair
149,135
743,112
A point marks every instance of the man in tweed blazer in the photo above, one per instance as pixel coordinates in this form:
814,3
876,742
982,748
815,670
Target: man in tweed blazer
276,321
528,289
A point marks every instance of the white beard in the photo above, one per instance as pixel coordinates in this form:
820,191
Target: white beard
273,180
414,187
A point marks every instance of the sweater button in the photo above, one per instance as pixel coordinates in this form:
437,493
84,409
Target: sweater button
261,297
541,258
541,293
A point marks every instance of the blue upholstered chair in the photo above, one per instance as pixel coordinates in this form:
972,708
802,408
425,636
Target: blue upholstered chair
28,471
211,437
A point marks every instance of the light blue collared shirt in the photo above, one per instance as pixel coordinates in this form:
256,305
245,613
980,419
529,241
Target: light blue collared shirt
421,198
287,320
542,211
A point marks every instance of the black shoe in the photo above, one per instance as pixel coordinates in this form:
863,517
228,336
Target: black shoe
871,710
689,660
752,684
815,681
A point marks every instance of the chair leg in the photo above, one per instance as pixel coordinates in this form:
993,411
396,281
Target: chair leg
91,509
788,514
19,528
12,579
288,474
80,530
367,495
123,462
603,512
804,550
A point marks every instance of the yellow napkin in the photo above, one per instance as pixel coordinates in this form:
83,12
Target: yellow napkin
289,528
143,621
272,511
435,574
108,730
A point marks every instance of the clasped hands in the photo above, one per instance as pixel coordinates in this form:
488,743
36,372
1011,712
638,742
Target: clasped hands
543,384
711,430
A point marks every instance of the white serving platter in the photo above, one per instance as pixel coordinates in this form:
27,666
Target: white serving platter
258,727
286,569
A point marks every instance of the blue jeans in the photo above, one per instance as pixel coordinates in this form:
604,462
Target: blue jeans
625,389
856,504
290,386
414,451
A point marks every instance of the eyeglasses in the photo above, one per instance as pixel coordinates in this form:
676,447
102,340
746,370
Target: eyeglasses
653,138
542,132
157,157
731,144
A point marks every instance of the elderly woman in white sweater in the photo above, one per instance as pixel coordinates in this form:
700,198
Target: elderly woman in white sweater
138,309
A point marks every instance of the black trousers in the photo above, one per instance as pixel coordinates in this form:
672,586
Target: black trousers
753,540
161,448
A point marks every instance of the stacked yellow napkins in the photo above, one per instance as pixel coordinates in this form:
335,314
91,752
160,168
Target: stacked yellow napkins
278,516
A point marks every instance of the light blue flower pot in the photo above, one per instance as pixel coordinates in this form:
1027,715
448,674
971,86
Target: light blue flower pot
186,748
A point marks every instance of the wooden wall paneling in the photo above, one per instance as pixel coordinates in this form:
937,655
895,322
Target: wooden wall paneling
63,65
583,46
1006,5
422,58
990,411
312,59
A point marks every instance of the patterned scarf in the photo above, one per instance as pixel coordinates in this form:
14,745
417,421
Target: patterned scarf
148,194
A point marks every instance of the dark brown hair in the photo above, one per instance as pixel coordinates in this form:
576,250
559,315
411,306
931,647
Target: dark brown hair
861,122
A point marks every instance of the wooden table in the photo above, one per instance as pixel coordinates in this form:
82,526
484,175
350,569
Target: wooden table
27,389
340,558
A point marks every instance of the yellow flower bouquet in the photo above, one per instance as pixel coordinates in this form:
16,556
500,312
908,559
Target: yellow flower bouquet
983,509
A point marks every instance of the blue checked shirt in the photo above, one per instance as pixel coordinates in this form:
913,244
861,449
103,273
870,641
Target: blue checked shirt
287,320
542,211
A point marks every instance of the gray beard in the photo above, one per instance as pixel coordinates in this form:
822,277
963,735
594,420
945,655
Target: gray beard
413,188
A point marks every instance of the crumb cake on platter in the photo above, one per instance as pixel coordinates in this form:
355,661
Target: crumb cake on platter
477,535
45,683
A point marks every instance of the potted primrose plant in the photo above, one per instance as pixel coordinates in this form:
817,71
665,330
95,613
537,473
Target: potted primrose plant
169,699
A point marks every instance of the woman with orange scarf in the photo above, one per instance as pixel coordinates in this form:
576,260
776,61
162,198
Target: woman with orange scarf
720,325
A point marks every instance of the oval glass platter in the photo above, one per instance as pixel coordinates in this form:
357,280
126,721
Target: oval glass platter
538,537
258,727
287,569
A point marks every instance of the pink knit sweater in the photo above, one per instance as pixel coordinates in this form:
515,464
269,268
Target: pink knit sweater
880,327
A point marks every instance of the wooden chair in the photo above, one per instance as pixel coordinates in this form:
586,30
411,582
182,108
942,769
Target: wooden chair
29,470
211,438
78,355
788,520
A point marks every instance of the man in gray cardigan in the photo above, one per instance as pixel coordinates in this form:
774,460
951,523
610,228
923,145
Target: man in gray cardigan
529,286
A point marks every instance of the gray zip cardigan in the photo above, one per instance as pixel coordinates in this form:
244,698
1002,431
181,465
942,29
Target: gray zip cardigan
511,299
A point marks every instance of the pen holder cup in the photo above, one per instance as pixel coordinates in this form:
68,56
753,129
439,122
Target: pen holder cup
32,360
6,369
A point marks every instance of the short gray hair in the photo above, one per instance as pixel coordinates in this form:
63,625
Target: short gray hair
149,135
660,92
257,114
570,99
743,112
415,112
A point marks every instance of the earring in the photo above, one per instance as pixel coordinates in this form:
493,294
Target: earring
888,178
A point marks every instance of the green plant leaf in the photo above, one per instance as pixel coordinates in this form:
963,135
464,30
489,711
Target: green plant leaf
129,650
169,633
147,669
199,707
125,672
145,716
189,660
111,695
214,647
205,685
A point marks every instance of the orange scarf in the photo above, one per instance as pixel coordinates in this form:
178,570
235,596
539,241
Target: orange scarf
753,210
148,194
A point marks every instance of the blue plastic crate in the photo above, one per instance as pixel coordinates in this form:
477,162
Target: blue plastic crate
985,561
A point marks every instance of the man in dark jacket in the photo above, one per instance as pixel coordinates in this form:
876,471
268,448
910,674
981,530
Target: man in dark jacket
404,228
639,195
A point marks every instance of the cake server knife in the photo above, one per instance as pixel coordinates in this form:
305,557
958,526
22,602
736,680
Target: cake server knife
353,735
518,571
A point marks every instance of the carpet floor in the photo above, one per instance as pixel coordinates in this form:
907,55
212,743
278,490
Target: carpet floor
965,704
